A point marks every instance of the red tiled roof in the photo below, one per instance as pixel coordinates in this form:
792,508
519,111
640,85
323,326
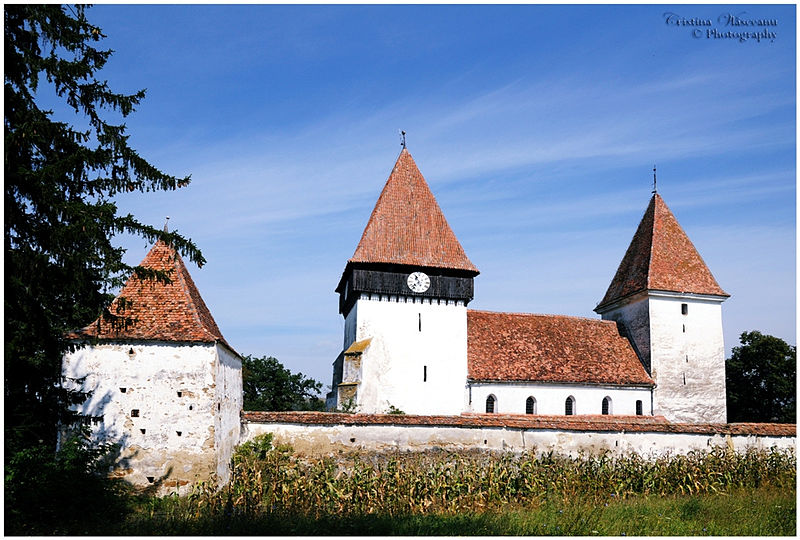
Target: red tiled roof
172,311
549,348
661,257
614,423
408,227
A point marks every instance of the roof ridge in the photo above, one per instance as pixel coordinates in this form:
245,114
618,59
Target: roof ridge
553,315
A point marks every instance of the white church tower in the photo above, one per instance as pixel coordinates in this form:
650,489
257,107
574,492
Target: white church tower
670,306
404,295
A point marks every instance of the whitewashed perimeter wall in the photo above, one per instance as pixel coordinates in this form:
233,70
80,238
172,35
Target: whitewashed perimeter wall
321,440
426,371
228,424
178,446
551,398
688,366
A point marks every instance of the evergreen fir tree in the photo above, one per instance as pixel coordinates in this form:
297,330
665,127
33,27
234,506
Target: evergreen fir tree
60,218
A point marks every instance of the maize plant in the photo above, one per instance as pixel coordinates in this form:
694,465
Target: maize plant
271,480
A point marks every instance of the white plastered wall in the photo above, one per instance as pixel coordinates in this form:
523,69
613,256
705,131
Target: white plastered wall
417,361
635,317
151,378
688,357
550,399
321,440
228,424
674,346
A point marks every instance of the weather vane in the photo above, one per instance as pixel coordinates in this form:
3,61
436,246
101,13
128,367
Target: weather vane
654,179
403,136
166,223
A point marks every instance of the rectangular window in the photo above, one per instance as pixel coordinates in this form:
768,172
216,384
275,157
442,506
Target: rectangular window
638,407
684,309
420,321
424,373
134,413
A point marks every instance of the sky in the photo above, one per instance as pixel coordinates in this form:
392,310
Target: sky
536,127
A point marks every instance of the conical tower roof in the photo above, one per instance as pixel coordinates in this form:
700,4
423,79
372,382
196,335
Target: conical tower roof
155,310
661,257
408,227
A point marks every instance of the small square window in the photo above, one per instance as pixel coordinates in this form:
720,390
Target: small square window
180,394
135,413
123,389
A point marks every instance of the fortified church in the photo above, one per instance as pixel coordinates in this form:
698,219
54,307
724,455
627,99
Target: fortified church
411,343
167,387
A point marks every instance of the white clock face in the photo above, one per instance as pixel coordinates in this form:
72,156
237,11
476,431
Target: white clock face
419,282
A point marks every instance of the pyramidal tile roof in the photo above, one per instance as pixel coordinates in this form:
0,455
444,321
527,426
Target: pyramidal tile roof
408,227
661,257
158,311
549,348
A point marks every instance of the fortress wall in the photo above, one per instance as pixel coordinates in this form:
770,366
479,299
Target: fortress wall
316,434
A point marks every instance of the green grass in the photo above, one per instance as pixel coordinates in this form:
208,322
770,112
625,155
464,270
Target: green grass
755,512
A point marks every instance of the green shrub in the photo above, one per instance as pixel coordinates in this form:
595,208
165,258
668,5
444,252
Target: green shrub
63,492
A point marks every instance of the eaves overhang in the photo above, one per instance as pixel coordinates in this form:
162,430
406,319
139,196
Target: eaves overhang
658,293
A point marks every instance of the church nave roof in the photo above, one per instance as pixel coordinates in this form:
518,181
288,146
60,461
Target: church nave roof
525,347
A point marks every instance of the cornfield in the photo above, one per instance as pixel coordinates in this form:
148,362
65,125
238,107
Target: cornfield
267,480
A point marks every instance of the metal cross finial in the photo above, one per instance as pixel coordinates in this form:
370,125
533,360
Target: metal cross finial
165,224
403,135
654,180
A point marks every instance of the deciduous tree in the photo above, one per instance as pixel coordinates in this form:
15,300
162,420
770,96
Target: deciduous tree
268,386
760,380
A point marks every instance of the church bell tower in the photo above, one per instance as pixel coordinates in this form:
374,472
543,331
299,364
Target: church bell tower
403,295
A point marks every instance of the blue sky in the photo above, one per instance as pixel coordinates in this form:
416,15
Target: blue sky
536,127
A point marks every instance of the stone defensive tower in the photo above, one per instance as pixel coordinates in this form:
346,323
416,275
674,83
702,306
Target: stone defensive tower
670,306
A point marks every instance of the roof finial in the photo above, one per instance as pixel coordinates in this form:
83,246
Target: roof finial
654,180
403,137
165,224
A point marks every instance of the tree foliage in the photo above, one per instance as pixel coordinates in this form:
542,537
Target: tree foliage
59,214
60,178
268,386
760,380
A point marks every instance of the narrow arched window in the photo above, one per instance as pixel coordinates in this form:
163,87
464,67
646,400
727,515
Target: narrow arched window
490,404
639,407
606,405
569,406
530,406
